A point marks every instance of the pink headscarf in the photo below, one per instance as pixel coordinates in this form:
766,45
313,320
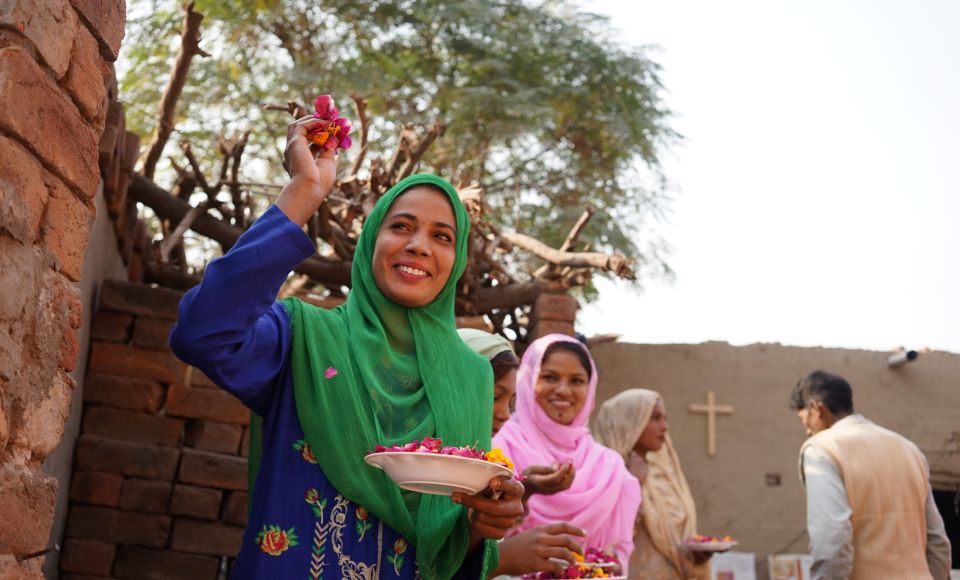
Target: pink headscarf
604,497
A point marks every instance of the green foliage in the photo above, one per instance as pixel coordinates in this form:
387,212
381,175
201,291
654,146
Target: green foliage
539,106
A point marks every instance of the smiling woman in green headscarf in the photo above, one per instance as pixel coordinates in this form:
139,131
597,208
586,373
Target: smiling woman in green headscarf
385,367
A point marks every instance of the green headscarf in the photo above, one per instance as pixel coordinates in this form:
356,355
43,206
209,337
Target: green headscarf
400,374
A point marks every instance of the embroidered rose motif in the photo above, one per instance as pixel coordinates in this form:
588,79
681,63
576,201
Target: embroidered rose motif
303,447
274,540
399,547
362,522
330,372
316,502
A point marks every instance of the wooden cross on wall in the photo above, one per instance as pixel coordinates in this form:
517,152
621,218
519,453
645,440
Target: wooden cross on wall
711,409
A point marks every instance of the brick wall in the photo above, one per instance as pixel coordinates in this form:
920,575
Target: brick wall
159,482
55,71
553,313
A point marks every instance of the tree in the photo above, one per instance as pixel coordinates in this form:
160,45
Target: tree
535,104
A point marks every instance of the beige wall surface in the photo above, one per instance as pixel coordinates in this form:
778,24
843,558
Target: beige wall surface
921,400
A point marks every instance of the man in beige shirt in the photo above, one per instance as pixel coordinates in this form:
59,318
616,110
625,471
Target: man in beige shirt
870,508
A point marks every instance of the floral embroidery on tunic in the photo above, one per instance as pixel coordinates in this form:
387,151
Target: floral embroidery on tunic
396,558
363,522
317,504
274,540
349,570
303,447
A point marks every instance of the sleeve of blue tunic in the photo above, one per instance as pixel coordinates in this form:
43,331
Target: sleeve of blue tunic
230,326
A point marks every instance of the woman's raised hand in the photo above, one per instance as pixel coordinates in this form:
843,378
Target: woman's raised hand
312,169
540,550
491,517
548,479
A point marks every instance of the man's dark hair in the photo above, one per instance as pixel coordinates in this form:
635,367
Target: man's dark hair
833,391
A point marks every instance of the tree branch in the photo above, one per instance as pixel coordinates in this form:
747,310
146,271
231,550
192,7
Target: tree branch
189,47
293,108
571,240
421,147
361,105
619,265
324,270
197,172
483,300
173,238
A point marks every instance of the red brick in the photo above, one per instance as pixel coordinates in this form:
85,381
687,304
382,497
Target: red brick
206,404
19,265
144,564
145,495
128,156
4,425
50,25
87,557
29,569
545,327
198,379
132,459
118,527
86,80
41,425
67,295
235,508
140,299
96,487
28,500
213,436
135,267
24,192
206,538
131,426
151,333
213,470
113,129
112,326
245,444
34,108
202,503
121,359
107,20
66,228
561,307
123,392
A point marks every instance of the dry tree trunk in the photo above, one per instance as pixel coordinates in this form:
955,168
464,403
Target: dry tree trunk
189,47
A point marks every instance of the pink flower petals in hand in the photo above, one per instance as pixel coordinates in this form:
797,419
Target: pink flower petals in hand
334,132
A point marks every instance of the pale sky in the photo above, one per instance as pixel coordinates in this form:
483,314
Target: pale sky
817,188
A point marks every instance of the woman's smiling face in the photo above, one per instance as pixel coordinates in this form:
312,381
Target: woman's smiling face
416,247
562,386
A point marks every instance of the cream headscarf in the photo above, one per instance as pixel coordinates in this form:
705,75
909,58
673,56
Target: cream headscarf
483,343
669,513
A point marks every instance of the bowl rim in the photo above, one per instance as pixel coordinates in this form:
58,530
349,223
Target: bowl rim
373,459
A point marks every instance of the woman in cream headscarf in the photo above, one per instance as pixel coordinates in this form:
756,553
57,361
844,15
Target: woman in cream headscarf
634,424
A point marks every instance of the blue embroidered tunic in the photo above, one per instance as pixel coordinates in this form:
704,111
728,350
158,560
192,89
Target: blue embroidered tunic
232,328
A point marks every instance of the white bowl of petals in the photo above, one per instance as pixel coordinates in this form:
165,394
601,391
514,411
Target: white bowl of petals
702,543
428,467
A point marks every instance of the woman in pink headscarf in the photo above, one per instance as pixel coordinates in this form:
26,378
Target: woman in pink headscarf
556,385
